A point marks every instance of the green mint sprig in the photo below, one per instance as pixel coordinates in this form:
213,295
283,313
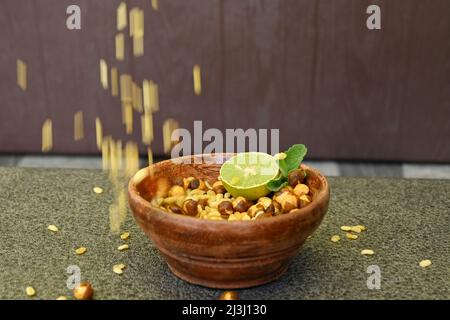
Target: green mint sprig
291,161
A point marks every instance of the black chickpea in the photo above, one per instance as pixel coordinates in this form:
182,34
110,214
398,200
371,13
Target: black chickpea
295,177
225,208
240,204
218,187
203,203
178,181
276,207
255,209
194,184
190,207
270,210
175,209
262,215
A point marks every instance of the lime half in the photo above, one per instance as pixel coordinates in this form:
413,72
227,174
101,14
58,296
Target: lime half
247,174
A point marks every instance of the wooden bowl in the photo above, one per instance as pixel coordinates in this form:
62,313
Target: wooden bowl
223,254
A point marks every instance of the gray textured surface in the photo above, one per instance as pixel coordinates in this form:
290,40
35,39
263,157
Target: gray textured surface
407,220
67,162
8,160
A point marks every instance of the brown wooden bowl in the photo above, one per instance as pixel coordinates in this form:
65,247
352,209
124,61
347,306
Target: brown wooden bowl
223,254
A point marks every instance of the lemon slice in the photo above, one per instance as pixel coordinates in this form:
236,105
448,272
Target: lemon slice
247,174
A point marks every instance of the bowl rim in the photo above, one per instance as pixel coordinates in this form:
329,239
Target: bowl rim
297,213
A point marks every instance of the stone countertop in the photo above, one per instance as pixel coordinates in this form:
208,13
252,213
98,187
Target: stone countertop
407,221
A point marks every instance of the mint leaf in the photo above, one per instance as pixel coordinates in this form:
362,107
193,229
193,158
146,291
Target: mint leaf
283,167
276,184
294,157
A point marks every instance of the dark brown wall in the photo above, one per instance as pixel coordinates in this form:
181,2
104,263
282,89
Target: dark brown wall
308,67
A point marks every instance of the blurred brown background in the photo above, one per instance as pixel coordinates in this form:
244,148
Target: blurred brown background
310,68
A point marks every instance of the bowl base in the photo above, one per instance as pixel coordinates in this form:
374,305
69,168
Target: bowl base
228,284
